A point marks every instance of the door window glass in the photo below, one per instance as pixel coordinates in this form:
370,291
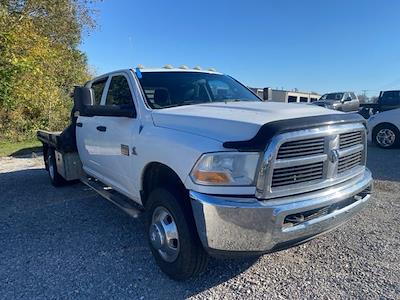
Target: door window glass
119,92
390,98
97,88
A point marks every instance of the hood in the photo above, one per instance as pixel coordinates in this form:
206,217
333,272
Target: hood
232,120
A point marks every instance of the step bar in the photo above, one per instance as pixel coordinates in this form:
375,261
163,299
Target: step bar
119,200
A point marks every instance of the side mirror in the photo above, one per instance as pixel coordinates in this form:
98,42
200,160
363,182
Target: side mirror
83,105
83,97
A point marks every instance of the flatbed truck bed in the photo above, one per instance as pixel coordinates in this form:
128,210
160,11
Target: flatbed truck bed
49,137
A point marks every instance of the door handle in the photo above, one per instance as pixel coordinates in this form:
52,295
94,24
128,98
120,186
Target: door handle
79,124
101,128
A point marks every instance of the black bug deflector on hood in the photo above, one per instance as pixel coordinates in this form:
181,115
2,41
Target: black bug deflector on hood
269,130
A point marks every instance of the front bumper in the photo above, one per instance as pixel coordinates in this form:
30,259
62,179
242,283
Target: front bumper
237,225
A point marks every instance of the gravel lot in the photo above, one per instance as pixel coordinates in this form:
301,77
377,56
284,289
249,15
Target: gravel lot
71,243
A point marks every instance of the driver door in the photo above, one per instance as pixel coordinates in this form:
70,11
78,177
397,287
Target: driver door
87,136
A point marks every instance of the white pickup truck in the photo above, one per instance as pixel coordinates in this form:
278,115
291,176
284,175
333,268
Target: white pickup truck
217,171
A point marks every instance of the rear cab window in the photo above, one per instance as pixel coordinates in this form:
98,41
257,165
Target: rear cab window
98,89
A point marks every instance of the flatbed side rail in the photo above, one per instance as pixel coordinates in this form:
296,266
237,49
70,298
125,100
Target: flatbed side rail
48,137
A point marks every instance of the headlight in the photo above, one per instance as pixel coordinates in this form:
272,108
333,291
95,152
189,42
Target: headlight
226,168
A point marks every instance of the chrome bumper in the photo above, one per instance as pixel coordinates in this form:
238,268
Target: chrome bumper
233,225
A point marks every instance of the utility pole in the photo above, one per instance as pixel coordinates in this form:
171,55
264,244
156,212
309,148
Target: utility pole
364,93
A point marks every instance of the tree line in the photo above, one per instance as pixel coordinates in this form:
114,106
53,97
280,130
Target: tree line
40,62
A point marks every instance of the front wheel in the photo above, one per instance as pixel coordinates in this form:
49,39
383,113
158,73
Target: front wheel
172,235
386,136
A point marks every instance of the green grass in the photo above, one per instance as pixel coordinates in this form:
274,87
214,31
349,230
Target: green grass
8,148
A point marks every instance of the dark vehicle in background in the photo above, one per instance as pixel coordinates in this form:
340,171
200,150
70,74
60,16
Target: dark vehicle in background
342,101
387,100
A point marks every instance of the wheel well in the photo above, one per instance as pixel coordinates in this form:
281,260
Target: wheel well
380,125
159,175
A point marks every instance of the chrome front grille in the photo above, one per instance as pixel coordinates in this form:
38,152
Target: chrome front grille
301,148
350,139
311,159
349,161
297,174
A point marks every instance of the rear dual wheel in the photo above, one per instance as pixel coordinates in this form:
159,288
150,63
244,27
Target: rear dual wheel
55,178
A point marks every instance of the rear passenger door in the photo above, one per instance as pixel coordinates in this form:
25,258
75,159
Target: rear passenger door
118,135
87,136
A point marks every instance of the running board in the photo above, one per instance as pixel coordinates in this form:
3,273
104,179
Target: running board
122,202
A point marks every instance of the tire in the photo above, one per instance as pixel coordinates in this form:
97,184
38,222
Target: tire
386,136
55,178
180,253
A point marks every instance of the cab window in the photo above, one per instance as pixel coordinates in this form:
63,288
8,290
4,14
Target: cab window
119,92
98,88
391,98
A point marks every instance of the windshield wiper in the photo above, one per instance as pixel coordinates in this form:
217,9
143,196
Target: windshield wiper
206,102
235,100
181,104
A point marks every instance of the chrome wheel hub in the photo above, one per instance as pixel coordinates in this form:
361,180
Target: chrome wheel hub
156,236
163,234
385,137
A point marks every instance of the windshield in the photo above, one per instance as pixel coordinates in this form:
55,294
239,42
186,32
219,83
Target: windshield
332,96
169,89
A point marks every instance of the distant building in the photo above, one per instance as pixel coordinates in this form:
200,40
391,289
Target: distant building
268,94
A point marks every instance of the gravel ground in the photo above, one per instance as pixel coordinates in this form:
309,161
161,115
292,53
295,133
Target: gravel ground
70,243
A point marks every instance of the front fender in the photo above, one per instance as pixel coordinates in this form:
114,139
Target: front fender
173,148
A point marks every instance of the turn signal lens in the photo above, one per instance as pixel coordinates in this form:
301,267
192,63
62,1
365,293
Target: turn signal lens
211,177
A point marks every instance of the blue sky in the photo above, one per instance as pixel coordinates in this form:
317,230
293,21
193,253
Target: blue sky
310,45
